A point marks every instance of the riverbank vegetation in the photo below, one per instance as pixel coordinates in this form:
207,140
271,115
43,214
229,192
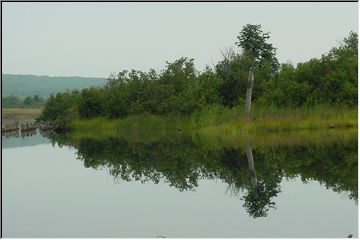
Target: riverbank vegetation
320,93
227,121
23,102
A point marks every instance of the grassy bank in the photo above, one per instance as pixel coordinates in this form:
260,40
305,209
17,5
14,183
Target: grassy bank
208,141
9,115
274,120
217,120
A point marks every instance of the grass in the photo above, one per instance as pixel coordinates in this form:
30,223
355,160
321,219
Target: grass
9,115
288,138
229,124
280,120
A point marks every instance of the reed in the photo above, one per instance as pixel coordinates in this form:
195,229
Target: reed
279,120
219,120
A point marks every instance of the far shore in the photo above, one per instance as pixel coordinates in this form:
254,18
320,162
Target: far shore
10,115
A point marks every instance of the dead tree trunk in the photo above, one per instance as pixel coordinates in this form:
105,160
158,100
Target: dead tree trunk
251,164
250,84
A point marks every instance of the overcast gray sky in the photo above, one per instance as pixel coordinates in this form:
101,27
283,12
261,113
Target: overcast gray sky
96,39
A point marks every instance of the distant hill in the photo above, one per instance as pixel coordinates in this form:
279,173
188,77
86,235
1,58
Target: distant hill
44,86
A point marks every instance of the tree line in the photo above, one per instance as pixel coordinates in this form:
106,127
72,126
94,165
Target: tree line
182,90
19,102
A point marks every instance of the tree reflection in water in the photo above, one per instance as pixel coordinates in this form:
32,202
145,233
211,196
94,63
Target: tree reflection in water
258,197
253,175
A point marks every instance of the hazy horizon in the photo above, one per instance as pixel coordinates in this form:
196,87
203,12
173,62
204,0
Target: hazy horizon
97,39
45,75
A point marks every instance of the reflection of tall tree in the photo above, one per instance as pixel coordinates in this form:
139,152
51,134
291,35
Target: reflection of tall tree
250,159
258,198
182,162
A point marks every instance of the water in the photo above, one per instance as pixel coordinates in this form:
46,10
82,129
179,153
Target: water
177,186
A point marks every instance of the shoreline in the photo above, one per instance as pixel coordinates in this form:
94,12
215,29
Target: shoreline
230,121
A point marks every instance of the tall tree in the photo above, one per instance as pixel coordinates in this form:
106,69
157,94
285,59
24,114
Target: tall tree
259,53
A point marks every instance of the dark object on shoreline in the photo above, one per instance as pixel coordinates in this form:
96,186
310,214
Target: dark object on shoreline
60,129
350,236
9,129
13,126
45,126
28,132
30,126
7,134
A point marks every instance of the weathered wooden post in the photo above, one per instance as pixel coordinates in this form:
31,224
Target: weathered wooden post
251,164
250,84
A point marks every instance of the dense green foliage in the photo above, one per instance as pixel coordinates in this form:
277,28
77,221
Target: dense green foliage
44,86
259,53
182,90
16,102
178,89
60,108
331,79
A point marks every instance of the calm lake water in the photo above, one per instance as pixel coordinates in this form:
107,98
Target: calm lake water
177,186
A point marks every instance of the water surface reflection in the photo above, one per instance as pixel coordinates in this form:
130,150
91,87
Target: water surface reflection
180,185
252,173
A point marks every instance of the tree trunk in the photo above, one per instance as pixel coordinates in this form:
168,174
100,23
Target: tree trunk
248,94
251,164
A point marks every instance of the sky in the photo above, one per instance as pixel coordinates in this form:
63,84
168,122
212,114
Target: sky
98,39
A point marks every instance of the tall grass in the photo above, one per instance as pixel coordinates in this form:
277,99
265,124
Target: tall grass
220,120
285,119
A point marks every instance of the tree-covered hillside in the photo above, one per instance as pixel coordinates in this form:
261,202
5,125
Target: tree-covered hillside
44,86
